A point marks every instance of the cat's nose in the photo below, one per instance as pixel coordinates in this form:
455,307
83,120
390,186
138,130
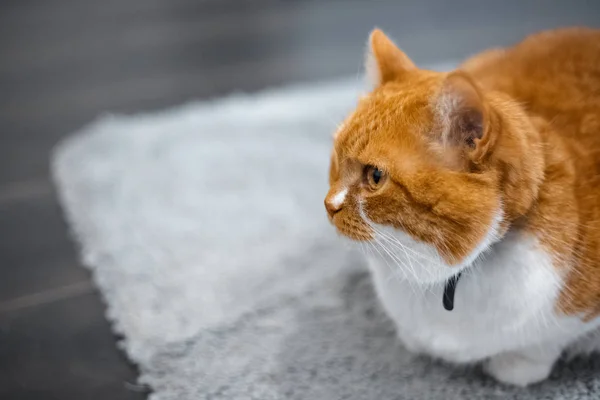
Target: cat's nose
331,207
334,202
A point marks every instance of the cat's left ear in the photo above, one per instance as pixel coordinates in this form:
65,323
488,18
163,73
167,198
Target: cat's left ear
463,115
384,60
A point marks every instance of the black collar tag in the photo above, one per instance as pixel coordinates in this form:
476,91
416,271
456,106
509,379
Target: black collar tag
449,290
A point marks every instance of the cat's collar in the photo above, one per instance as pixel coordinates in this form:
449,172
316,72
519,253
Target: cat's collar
449,289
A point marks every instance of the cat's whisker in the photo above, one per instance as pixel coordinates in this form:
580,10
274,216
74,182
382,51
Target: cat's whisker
399,246
410,259
413,272
423,267
393,256
404,247
406,250
402,266
396,244
393,271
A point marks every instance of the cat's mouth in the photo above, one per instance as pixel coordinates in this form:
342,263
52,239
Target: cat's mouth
352,228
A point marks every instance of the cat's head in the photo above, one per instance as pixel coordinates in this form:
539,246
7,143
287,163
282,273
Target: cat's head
428,168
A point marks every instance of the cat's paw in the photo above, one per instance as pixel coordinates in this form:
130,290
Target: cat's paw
517,369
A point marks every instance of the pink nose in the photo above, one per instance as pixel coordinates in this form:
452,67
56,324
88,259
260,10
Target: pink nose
332,206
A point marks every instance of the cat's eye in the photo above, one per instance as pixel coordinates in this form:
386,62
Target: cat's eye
374,177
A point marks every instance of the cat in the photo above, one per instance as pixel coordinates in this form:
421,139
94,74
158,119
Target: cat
477,195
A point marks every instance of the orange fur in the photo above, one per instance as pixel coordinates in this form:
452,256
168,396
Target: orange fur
516,129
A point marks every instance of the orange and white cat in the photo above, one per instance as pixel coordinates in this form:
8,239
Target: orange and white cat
490,173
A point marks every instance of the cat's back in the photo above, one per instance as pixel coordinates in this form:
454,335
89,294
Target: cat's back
553,73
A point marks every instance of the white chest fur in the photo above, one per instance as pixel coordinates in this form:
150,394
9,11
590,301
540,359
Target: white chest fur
504,303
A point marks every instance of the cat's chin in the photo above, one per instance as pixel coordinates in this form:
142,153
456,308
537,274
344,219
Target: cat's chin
416,274
410,260
419,262
420,265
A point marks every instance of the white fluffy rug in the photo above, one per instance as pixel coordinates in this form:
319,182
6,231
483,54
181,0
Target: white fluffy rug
206,233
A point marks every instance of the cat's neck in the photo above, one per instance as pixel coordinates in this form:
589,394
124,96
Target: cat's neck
518,159
537,174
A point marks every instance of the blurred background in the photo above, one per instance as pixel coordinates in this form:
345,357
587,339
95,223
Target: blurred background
64,62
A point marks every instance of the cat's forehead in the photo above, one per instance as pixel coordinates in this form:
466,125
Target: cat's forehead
383,123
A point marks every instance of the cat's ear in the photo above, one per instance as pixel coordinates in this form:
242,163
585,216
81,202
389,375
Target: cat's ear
463,116
384,60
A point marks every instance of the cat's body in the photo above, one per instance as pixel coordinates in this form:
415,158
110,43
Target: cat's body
493,172
556,76
504,308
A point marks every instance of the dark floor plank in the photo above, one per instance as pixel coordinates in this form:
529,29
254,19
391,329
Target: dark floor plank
309,42
36,254
63,350
174,37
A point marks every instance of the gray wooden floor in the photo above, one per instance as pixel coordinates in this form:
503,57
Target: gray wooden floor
63,62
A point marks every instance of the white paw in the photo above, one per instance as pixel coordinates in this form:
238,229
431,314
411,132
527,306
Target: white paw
587,344
516,369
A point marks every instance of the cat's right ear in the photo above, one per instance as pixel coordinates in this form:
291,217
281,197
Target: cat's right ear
384,60
464,117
